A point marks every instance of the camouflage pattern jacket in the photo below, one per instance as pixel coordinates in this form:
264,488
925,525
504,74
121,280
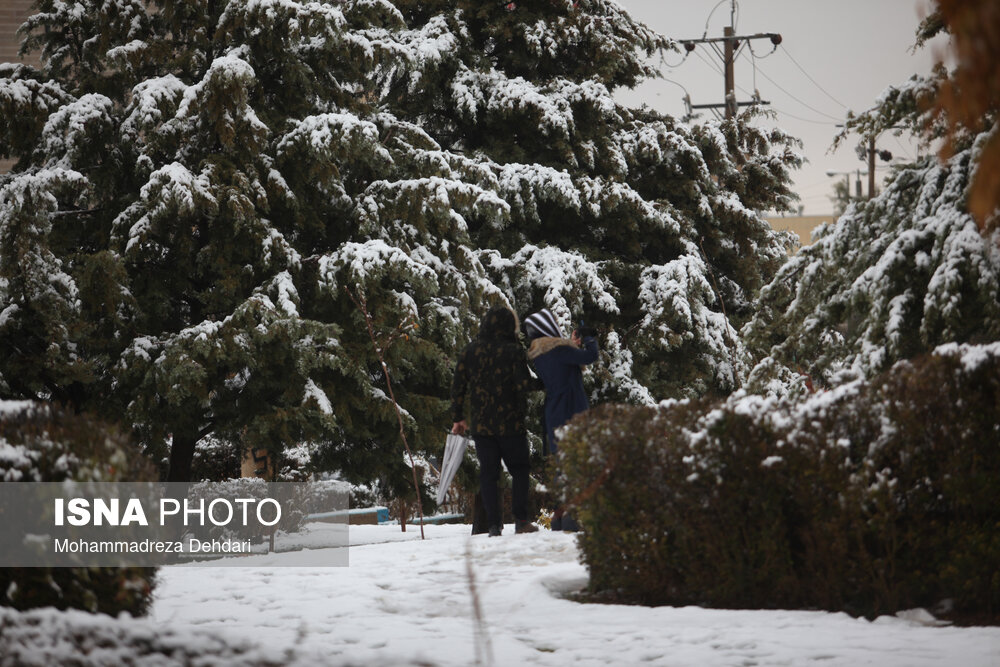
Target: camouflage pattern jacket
493,372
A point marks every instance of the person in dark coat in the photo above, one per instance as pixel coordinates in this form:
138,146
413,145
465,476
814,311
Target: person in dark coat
493,372
558,362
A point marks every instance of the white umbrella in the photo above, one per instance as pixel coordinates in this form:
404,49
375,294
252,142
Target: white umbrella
454,452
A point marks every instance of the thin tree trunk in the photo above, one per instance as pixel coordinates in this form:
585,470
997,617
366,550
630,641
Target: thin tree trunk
362,305
181,456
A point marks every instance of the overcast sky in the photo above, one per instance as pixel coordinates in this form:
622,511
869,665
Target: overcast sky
852,49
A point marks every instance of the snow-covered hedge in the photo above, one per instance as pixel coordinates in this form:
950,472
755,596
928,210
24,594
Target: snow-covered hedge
41,443
44,637
876,496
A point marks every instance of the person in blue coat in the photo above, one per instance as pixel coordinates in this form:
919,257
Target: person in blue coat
559,364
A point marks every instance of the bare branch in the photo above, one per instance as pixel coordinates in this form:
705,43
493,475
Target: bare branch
362,305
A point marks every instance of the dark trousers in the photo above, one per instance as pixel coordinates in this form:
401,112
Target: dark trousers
513,450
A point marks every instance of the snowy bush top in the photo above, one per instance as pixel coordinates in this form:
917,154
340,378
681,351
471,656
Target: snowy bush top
40,443
47,636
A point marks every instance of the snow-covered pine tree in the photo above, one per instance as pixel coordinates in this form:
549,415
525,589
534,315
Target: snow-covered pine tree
216,174
148,179
895,276
623,218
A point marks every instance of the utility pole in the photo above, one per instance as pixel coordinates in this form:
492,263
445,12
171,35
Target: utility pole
871,153
858,173
732,44
729,56
871,166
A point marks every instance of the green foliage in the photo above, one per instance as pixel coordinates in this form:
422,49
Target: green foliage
850,500
891,279
44,444
104,590
205,180
899,274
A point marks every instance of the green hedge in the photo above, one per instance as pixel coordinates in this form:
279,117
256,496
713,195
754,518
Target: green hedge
869,498
41,443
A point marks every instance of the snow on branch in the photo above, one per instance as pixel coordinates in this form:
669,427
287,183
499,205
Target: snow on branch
27,204
566,279
70,129
675,298
289,19
221,97
153,102
910,269
334,138
171,192
424,198
23,101
478,94
526,184
360,263
670,290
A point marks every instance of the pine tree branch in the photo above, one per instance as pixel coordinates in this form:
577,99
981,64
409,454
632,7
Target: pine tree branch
89,211
729,336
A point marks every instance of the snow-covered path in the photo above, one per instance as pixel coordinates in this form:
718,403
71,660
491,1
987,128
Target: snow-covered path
404,600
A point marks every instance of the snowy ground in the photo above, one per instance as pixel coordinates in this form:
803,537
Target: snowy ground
403,600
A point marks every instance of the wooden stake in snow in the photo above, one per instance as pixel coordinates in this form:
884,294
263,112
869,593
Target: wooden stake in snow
361,303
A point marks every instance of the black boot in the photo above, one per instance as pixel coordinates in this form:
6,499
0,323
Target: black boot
525,527
495,531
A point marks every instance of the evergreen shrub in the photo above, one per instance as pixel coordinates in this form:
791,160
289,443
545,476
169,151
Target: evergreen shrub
44,637
41,443
869,498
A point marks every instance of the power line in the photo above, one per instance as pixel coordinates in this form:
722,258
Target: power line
804,120
676,83
787,113
808,106
731,45
754,53
663,61
905,151
721,2
711,63
816,83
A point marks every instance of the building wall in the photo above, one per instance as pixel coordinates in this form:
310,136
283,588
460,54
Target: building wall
12,15
803,225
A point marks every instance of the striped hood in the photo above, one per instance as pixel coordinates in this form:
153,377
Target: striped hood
542,324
